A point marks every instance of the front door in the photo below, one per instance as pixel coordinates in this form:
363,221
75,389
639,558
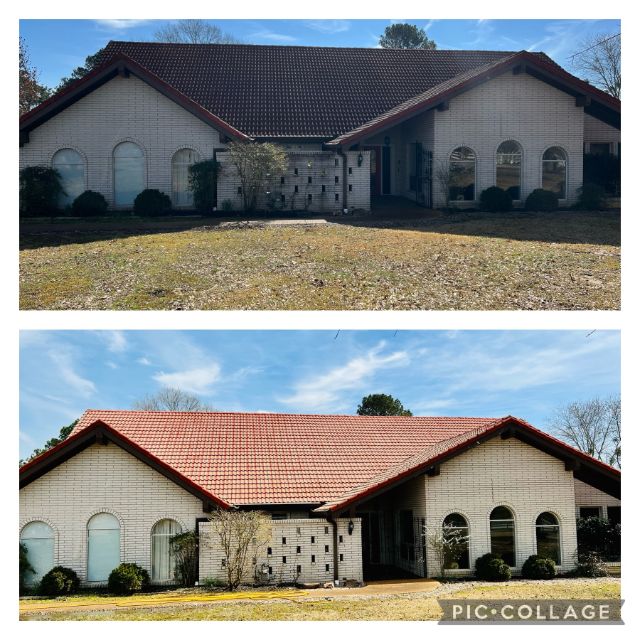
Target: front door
375,175
371,543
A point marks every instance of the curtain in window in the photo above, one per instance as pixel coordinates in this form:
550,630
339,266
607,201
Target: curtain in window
554,171
162,562
38,538
103,555
180,163
70,165
548,536
462,174
508,168
128,173
503,541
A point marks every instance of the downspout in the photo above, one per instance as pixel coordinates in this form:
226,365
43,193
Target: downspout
198,521
334,524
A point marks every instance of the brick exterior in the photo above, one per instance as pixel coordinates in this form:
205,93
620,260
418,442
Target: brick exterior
597,131
588,496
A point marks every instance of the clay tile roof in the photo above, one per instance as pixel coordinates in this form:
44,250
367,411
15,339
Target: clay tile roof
314,92
264,458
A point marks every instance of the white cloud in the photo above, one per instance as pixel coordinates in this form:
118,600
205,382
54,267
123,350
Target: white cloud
120,25
325,391
112,365
144,361
329,26
272,36
199,380
116,342
68,374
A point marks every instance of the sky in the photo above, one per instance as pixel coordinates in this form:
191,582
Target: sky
58,46
528,374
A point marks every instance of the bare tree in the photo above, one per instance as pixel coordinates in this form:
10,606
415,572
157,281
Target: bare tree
593,426
193,32
449,544
444,178
241,535
171,399
598,58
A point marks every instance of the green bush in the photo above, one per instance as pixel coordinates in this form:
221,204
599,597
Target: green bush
89,204
151,202
495,199
541,200
59,581
24,567
599,536
184,547
40,190
590,196
202,182
603,170
492,567
590,565
539,568
128,578
227,205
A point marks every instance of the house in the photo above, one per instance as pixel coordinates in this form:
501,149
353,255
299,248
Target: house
350,497
437,127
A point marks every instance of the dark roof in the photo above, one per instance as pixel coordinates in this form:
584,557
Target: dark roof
329,461
275,91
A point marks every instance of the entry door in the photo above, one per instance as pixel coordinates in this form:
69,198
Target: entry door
375,175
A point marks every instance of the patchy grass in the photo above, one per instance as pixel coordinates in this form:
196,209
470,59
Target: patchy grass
422,606
564,260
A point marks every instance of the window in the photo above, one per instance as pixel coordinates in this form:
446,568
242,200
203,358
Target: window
614,515
180,163
508,168
589,512
38,538
462,175
70,165
600,148
548,536
502,529
456,530
128,173
103,541
162,561
554,171
406,535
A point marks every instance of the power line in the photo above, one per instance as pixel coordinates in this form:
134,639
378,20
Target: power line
593,46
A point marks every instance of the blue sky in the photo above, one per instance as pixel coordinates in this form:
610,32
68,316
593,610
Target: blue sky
476,373
57,46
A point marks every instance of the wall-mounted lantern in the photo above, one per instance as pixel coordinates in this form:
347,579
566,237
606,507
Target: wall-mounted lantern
360,159
351,527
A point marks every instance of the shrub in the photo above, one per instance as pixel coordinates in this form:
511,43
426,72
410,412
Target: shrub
541,200
89,204
59,581
492,567
495,199
24,567
185,551
603,170
40,189
151,202
590,565
590,196
128,578
227,205
538,568
599,536
202,182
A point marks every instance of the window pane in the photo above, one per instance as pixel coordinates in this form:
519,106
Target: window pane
38,538
70,166
508,165
548,537
456,532
589,512
103,546
546,519
182,160
501,513
503,540
128,173
162,561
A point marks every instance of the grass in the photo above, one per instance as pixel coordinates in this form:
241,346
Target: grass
564,260
410,607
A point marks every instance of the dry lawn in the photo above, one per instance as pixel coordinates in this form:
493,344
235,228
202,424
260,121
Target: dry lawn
564,260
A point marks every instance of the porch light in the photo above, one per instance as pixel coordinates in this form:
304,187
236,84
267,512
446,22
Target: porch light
360,159
309,164
351,527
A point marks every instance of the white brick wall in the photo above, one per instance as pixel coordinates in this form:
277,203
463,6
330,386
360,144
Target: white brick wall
588,496
503,472
122,109
597,131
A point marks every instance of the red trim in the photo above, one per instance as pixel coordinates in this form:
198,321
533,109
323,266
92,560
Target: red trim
99,425
511,61
121,61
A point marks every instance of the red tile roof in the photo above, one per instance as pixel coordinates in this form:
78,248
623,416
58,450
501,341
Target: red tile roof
284,91
264,458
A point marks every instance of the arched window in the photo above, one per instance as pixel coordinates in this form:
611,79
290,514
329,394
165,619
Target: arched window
70,165
508,168
503,540
38,538
554,171
455,531
128,173
548,536
103,539
180,163
462,174
162,562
